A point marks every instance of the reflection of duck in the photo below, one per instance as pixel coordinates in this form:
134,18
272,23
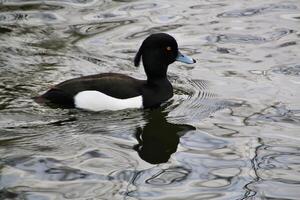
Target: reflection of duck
112,91
158,139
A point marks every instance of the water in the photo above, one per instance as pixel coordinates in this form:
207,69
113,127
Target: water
230,132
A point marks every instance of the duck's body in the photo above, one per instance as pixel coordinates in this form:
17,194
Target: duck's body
113,91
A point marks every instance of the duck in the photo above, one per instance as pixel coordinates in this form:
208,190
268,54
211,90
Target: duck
116,91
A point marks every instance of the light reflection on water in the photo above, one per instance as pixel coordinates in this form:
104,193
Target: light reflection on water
230,132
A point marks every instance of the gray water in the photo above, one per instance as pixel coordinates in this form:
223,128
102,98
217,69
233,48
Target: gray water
231,131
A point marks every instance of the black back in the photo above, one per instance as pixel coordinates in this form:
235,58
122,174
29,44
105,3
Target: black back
113,84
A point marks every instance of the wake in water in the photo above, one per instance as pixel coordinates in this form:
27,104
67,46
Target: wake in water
196,102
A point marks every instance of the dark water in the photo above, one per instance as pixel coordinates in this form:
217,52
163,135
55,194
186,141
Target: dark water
232,130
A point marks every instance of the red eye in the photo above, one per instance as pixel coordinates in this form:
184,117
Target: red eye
168,48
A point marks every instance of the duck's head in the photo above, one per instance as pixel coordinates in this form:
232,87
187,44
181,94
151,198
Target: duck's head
157,52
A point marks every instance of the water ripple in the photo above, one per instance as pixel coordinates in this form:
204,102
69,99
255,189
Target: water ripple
198,104
250,39
29,17
101,16
144,33
198,140
96,28
291,70
168,176
29,6
275,113
5,30
276,163
293,17
143,7
208,6
286,44
50,169
255,11
50,2
236,38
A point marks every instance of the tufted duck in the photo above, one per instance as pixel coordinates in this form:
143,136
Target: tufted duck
113,91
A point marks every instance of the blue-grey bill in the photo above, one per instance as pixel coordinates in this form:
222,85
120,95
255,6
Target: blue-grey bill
185,59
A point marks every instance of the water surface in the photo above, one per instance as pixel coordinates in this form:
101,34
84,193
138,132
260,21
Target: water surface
231,131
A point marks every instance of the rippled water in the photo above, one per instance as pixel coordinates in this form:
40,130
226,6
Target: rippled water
230,132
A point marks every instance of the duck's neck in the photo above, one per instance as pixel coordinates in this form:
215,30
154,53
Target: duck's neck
157,77
158,81
155,68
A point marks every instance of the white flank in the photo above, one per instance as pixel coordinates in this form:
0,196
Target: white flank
96,101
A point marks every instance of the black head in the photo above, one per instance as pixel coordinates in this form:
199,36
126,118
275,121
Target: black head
157,52
160,44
